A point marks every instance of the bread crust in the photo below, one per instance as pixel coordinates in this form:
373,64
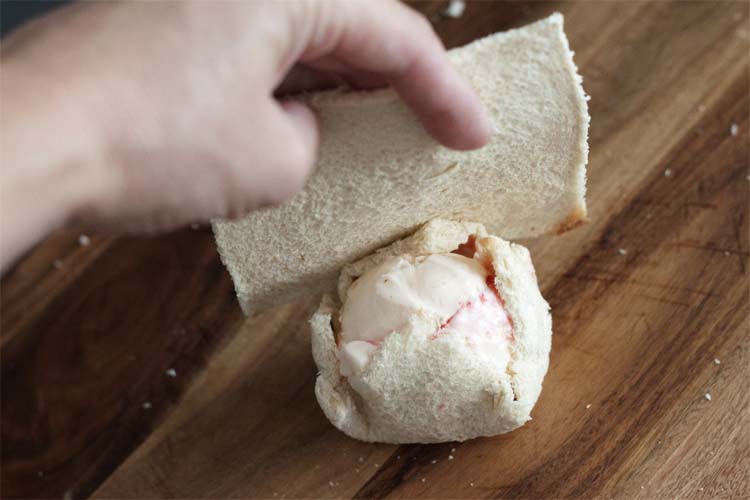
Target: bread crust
577,218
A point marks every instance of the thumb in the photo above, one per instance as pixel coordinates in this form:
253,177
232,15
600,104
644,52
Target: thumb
295,148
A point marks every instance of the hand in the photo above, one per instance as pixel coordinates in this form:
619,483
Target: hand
144,116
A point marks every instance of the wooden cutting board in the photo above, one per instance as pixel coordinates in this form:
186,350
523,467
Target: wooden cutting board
650,303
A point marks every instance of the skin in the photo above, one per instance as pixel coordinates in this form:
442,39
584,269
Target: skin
146,116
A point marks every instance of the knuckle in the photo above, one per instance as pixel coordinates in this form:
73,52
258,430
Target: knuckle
292,170
422,25
425,25
298,164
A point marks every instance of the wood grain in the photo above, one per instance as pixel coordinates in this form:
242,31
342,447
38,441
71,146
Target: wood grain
622,413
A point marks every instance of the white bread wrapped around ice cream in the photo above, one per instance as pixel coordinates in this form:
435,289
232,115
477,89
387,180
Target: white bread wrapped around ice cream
441,336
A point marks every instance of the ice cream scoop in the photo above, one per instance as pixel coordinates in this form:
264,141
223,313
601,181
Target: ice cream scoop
448,288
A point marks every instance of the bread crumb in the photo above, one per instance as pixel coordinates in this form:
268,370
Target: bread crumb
361,459
455,9
726,253
275,494
471,484
57,264
424,479
84,240
330,483
588,406
717,361
643,487
700,489
453,450
195,226
398,457
146,405
622,251
377,465
433,462
707,396
68,495
171,373
356,471
701,108
734,129
667,172
450,457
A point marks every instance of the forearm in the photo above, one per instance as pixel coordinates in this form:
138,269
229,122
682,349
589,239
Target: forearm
47,153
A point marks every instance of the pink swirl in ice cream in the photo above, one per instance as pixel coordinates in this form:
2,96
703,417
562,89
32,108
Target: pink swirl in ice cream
457,291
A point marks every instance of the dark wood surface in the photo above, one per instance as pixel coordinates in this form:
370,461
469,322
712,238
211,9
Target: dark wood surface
622,414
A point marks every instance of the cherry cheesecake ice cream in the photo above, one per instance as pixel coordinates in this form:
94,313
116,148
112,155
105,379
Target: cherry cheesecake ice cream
456,291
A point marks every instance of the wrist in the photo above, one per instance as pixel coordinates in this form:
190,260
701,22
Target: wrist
51,154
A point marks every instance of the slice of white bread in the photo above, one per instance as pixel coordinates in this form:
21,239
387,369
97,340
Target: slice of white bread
418,388
380,176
